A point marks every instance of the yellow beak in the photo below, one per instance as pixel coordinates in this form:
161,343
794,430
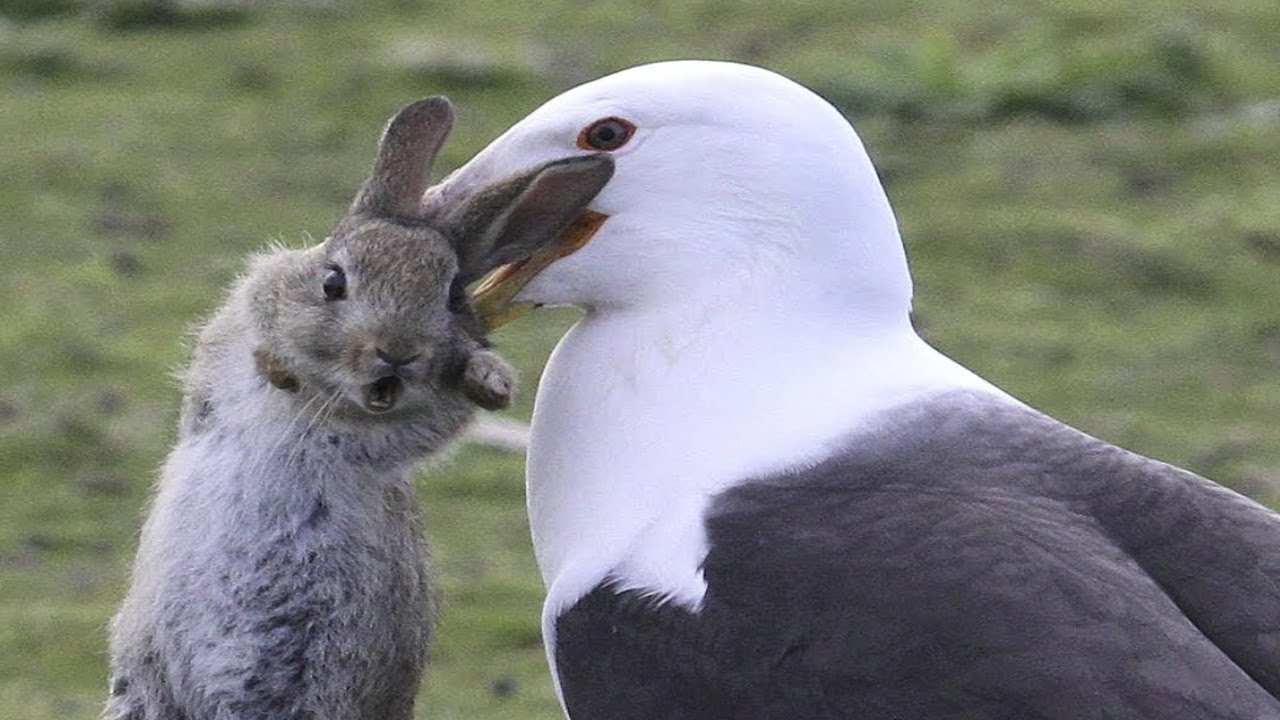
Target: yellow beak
493,296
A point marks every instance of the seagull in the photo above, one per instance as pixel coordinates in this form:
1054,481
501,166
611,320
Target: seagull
755,492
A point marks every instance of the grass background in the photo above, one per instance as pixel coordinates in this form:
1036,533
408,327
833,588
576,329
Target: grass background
1090,197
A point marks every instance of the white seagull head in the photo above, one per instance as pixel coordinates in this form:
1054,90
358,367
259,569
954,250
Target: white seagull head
732,185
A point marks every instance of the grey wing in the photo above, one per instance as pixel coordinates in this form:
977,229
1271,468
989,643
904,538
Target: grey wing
973,563
1215,553
902,603
979,559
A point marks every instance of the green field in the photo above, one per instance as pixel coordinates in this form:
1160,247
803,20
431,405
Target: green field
1090,197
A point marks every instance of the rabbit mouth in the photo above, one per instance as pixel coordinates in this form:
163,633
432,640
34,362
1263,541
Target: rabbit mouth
492,298
382,394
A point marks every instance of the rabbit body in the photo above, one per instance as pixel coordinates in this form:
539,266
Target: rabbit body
282,571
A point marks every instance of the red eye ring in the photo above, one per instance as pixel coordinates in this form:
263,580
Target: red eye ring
606,134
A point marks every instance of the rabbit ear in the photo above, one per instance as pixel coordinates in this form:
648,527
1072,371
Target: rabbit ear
405,153
512,219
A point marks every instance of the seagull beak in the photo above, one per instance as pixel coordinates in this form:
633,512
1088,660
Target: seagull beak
493,297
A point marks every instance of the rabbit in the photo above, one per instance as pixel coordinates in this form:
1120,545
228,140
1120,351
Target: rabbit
282,571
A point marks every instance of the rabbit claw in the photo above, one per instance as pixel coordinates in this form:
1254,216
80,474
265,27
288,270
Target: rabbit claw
488,381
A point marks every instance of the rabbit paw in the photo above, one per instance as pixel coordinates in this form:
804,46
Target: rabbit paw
488,380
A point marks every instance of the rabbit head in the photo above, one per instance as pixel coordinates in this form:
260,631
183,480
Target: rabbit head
377,316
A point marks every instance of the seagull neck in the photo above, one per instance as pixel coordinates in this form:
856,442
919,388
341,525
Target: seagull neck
641,418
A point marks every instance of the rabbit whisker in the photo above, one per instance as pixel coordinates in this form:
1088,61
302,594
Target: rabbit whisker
319,417
266,456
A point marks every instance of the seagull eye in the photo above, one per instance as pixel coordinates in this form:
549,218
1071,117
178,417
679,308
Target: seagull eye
606,134
334,283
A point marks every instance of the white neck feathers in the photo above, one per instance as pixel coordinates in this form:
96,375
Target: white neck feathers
640,419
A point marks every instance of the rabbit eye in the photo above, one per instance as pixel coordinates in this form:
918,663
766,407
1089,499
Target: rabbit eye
334,283
606,134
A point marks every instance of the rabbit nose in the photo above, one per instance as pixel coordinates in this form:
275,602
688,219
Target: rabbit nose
390,361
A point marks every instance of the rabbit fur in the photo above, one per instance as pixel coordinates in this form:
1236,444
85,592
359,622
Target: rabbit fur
282,572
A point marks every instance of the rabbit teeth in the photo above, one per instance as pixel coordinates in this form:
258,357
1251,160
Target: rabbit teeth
382,394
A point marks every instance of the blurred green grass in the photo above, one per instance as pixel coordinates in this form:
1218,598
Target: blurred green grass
1090,196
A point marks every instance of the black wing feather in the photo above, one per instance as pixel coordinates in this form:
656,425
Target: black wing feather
969,561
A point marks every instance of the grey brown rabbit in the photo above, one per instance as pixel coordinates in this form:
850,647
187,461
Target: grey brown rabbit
282,571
